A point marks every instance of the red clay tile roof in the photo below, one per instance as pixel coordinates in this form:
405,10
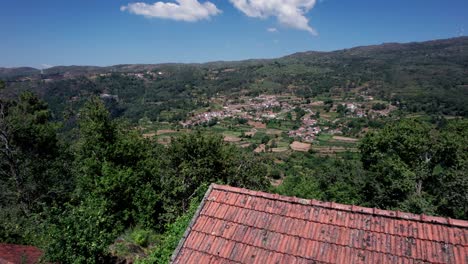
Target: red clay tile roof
236,225
16,254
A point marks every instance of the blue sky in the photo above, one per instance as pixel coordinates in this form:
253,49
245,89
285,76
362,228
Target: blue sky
107,32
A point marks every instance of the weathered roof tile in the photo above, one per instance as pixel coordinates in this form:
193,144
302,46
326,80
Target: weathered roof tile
243,226
12,254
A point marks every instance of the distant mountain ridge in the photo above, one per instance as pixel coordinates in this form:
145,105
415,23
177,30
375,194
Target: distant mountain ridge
18,71
122,68
430,77
390,46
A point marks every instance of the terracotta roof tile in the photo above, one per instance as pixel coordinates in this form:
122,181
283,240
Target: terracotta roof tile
12,254
183,255
242,226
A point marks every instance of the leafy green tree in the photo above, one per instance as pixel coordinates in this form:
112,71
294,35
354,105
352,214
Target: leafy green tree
81,234
326,179
117,164
242,121
341,109
117,186
299,113
410,163
379,106
399,158
265,139
174,231
34,165
195,159
451,172
300,185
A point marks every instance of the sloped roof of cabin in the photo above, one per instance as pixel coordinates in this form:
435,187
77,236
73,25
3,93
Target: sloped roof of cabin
14,254
234,225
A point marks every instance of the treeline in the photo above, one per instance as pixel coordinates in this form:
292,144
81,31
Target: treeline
427,77
79,199
73,199
411,166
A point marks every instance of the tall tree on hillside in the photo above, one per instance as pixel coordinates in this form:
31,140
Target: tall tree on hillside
452,170
196,159
410,163
117,188
32,157
116,164
33,164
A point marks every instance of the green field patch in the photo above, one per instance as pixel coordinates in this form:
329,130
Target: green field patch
329,115
324,137
337,144
283,125
273,131
218,128
174,134
232,133
282,144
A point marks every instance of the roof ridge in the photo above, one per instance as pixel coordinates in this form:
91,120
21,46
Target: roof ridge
349,208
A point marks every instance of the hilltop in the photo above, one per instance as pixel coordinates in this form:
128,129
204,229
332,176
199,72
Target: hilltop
118,157
427,76
414,48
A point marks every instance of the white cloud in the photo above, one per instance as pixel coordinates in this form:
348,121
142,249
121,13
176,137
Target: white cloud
290,13
272,29
183,10
45,66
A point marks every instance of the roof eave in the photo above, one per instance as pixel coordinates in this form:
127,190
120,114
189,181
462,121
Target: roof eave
192,222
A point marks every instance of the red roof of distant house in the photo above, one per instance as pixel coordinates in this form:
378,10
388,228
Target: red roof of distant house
241,226
16,254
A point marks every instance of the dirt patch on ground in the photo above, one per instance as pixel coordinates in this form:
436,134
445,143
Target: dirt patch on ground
250,133
332,150
329,149
245,145
260,148
276,182
232,139
256,124
277,161
149,135
279,150
299,146
164,140
326,116
274,131
345,139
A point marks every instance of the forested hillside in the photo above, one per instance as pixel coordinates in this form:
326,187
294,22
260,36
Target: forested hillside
108,164
428,77
111,193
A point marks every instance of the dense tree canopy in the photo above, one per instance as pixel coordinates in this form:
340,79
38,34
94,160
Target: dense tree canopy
195,159
74,197
83,188
123,180
34,165
414,166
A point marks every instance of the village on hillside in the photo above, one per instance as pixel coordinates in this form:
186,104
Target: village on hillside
281,123
266,122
